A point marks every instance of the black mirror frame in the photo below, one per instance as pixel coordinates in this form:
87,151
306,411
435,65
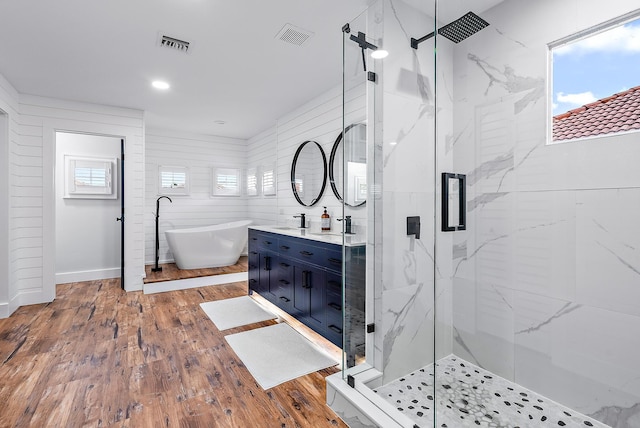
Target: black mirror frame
332,157
293,169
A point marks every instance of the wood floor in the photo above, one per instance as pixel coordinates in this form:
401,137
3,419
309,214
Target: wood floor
98,357
171,272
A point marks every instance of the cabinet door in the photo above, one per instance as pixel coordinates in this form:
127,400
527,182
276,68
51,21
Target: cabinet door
266,263
254,271
308,298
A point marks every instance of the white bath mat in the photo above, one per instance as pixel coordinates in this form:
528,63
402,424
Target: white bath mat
230,313
277,354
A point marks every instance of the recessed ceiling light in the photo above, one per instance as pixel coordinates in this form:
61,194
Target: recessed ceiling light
219,122
159,84
379,54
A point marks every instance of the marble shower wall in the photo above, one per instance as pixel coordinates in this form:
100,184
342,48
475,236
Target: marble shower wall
405,146
546,279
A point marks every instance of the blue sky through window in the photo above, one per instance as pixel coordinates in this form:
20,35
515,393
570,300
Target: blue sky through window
596,67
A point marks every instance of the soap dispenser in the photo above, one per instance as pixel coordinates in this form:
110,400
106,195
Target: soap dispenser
325,220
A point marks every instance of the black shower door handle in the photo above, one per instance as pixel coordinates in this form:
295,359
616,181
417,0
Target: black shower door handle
462,202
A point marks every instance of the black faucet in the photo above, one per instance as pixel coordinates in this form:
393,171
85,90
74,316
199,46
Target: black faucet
158,268
303,223
347,225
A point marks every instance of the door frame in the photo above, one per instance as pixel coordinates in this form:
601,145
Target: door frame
50,127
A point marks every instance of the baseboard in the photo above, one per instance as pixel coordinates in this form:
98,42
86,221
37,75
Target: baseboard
4,310
87,275
160,262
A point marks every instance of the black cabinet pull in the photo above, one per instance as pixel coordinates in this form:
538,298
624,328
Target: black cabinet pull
254,239
266,242
306,253
335,329
267,263
284,247
336,261
254,252
306,279
284,281
253,281
284,265
335,306
284,299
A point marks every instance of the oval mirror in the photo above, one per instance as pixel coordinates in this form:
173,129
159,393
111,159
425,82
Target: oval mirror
351,147
308,173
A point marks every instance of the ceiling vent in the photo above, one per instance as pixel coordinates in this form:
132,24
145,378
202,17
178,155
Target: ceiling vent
173,43
294,35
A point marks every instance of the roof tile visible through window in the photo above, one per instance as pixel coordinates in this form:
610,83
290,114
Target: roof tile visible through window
618,112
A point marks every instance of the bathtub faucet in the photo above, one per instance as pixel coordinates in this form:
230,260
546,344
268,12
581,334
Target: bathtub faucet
303,223
158,268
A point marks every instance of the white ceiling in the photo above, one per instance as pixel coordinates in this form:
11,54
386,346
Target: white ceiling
106,52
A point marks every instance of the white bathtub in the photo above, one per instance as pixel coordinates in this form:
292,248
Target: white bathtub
208,246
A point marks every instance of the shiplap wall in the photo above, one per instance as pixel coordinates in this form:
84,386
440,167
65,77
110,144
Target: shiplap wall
32,257
261,152
8,139
319,120
200,153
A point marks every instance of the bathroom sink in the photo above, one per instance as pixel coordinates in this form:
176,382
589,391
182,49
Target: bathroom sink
284,228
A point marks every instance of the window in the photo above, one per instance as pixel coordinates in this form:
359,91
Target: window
226,182
269,181
173,180
252,181
90,178
596,81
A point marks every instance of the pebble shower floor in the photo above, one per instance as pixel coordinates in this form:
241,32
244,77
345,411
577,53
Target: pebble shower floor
469,396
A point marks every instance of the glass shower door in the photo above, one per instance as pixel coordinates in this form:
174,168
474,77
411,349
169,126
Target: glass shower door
395,98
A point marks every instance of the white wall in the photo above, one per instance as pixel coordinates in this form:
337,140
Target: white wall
87,233
262,152
8,138
200,153
33,198
546,276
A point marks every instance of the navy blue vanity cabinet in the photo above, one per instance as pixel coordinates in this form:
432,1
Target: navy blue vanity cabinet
303,277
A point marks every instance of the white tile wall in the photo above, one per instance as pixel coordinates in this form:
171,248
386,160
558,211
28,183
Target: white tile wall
546,275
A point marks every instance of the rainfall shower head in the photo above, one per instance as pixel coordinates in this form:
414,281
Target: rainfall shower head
457,30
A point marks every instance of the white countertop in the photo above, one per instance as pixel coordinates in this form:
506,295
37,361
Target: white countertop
328,237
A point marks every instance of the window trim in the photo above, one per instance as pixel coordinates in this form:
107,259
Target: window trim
255,173
572,38
186,190
108,191
229,192
270,190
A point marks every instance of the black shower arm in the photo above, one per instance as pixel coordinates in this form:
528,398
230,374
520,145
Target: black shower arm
416,42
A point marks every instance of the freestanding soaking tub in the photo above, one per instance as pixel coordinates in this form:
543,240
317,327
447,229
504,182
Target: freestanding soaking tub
208,246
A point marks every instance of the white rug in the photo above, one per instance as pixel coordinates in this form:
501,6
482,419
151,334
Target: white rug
277,354
230,313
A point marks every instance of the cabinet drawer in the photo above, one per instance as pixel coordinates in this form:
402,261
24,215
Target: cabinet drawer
267,242
334,334
285,246
333,309
333,260
307,253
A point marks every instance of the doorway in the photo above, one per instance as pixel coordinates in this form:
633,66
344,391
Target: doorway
88,201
